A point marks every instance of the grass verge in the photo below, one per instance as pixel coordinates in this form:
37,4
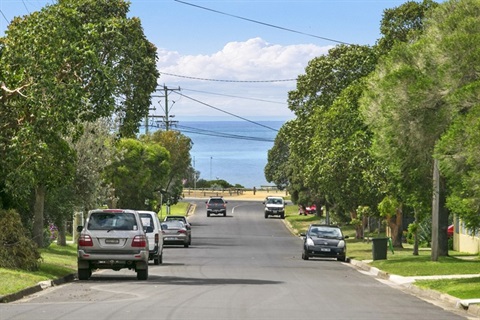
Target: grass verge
57,262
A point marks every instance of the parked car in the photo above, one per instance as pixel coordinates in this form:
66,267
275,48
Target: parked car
175,232
112,239
179,218
450,231
274,206
216,205
324,241
154,235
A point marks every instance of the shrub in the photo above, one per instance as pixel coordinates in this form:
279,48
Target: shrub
17,251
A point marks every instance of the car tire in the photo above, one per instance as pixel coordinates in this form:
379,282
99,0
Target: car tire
224,214
343,259
142,274
156,260
84,274
282,216
208,214
160,258
266,216
186,245
305,255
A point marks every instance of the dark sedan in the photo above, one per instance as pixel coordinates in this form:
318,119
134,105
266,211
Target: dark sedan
324,241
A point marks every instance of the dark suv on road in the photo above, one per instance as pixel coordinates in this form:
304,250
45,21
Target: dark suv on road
112,239
216,205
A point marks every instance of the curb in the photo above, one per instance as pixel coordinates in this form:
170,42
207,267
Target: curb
37,288
426,294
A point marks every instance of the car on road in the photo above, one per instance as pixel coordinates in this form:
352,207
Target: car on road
175,232
274,206
154,235
112,239
179,218
216,205
325,241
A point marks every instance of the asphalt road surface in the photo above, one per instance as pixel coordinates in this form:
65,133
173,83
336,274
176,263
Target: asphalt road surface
242,266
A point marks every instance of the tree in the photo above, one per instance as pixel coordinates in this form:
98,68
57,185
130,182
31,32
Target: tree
325,79
403,23
454,33
137,172
179,146
276,169
71,62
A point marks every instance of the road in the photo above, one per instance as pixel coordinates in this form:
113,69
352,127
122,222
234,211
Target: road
238,267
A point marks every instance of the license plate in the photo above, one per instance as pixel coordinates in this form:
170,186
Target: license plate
112,241
325,249
170,239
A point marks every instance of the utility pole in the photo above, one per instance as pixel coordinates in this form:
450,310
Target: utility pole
167,116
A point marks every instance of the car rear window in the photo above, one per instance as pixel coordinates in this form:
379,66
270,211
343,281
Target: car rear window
216,200
112,221
147,220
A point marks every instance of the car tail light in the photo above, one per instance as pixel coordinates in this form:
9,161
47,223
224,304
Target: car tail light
139,242
182,231
85,241
156,237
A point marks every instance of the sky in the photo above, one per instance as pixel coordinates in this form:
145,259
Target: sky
230,60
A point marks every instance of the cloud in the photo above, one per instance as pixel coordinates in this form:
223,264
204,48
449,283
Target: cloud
245,65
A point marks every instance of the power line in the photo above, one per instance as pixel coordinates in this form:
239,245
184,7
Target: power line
263,23
221,134
4,16
224,80
229,113
232,96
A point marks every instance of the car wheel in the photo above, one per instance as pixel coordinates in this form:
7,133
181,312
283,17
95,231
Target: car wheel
190,241
266,216
282,216
160,258
343,258
142,274
305,255
186,245
156,260
208,214
224,214
84,274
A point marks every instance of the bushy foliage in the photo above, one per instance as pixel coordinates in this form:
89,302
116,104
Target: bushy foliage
17,250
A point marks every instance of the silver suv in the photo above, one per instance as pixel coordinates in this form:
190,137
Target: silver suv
112,239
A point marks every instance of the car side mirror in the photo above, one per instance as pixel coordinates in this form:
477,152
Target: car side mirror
346,237
148,229
303,235
79,228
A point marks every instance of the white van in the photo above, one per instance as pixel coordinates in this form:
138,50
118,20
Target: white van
154,235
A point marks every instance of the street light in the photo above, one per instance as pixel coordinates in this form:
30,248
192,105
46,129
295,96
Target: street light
211,168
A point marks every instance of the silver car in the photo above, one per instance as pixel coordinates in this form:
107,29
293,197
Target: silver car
112,239
175,232
154,235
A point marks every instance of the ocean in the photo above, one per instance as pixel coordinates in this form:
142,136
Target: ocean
234,151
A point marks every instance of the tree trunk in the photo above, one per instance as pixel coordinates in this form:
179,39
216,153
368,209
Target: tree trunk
38,207
396,226
62,238
358,226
